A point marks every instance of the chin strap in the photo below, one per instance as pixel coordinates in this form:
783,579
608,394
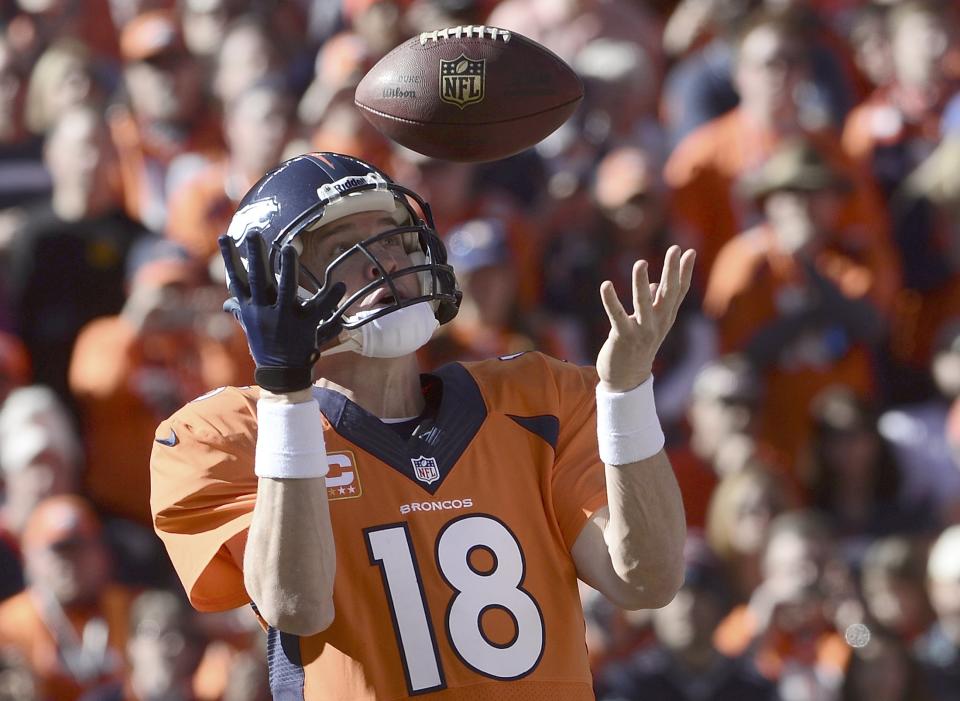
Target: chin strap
396,334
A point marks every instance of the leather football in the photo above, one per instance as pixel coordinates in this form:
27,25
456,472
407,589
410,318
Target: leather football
469,93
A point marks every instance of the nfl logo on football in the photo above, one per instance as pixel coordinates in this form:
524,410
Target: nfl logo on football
425,469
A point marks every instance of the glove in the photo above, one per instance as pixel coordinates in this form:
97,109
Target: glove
284,333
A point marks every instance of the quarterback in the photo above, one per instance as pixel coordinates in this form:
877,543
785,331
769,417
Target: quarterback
397,533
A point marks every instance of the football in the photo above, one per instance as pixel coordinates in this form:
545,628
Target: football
470,93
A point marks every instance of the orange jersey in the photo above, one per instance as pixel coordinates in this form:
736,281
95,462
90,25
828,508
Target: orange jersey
454,575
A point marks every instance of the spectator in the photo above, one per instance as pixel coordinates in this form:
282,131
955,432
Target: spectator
854,480
71,622
164,649
741,510
893,582
165,116
786,624
257,126
722,406
130,371
80,238
685,665
802,308
64,77
771,72
40,457
248,54
939,649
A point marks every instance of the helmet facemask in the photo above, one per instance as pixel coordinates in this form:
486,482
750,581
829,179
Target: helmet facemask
436,281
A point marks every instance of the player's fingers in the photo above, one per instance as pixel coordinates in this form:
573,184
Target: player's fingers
642,300
258,274
686,270
611,304
287,291
236,275
670,278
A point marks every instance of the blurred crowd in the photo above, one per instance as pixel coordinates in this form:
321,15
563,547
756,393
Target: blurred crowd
808,149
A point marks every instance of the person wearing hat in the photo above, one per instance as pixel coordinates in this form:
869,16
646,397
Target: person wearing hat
70,624
792,297
164,117
771,68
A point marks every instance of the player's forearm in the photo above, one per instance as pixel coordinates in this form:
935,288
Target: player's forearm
290,560
646,530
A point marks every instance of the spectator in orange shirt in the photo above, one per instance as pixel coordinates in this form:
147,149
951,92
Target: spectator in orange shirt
129,371
257,126
795,300
787,626
166,116
771,71
71,622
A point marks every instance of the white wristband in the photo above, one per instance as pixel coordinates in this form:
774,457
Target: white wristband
290,441
628,428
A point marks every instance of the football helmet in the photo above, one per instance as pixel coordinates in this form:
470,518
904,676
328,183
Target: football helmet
315,189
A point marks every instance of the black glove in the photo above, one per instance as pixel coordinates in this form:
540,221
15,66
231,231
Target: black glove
283,332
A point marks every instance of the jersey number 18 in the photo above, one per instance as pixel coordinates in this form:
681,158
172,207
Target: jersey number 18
391,548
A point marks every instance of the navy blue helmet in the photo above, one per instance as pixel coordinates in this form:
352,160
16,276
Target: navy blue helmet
315,189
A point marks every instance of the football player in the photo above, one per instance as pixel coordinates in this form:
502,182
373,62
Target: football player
402,534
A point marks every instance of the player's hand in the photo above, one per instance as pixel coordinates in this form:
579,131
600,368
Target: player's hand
626,358
283,332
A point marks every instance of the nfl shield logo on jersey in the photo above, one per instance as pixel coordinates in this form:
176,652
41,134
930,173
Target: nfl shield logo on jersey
425,469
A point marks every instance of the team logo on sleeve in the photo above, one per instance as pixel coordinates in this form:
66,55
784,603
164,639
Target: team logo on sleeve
425,469
343,478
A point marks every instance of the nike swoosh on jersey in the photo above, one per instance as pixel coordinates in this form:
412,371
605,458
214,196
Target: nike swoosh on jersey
171,441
